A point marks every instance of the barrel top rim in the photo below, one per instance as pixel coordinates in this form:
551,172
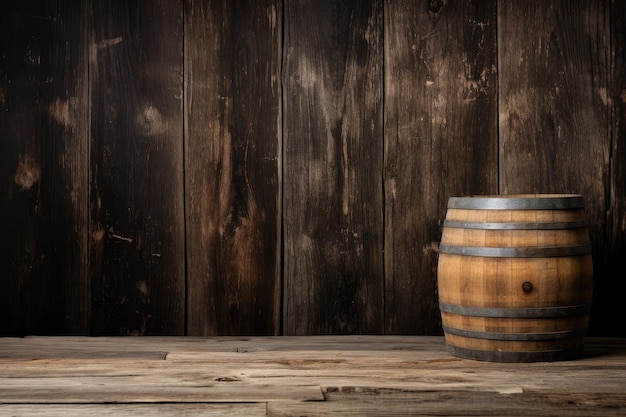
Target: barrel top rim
517,202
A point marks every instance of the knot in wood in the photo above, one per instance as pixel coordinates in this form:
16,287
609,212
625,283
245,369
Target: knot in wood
434,6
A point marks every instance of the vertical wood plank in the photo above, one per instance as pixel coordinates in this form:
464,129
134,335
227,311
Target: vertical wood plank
440,140
555,114
69,114
43,168
232,148
137,213
333,266
610,244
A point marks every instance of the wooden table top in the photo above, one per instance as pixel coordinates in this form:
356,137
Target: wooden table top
298,376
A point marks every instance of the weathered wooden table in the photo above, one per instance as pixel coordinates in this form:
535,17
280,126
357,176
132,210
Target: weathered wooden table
297,376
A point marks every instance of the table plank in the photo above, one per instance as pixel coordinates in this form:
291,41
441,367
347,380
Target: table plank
364,402
146,390
343,375
134,410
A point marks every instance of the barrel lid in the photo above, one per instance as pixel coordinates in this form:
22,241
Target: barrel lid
517,202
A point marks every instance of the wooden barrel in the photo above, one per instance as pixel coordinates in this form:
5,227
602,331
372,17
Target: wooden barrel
515,277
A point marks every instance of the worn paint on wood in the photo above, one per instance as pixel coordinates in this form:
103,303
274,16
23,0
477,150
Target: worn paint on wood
232,150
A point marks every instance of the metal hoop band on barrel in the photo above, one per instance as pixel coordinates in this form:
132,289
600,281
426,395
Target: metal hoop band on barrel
545,312
514,226
516,203
527,337
532,356
548,250
522,252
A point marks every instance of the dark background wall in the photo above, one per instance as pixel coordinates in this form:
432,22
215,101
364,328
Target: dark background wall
283,166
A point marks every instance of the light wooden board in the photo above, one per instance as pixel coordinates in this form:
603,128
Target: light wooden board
134,410
147,389
358,402
309,375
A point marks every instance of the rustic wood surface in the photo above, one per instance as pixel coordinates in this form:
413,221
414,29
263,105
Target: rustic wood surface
333,195
232,149
612,246
137,251
191,167
558,122
293,376
44,170
440,106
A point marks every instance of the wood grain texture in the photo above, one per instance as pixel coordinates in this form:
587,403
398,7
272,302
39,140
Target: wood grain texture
69,115
289,375
147,148
133,410
555,110
332,167
362,402
610,243
440,140
232,149
136,200
145,389
553,80
43,190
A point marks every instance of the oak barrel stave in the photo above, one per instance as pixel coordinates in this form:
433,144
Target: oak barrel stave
515,277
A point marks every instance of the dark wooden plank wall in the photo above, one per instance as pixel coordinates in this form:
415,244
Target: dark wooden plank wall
332,147
557,123
283,167
610,242
137,253
440,140
232,130
44,127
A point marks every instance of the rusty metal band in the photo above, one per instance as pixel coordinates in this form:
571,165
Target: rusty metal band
458,224
519,357
516,203
521,252
521,312
530,337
